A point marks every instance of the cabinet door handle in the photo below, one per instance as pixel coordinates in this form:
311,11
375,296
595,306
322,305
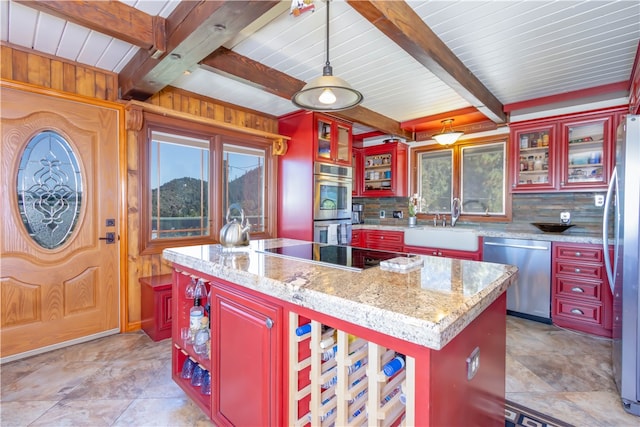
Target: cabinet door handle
577,311
578,254
577,289
269,323
577,270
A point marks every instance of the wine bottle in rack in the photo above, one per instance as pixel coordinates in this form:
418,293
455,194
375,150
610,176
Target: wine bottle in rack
303,329
394,366
196,314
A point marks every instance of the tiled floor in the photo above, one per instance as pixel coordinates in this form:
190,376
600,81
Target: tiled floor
124,380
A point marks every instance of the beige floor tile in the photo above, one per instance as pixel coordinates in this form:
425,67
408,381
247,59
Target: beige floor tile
163,412
77,413
18,414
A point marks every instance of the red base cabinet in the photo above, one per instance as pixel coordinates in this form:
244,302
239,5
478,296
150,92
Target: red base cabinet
447,253
265,373
155,298
247,364
582,298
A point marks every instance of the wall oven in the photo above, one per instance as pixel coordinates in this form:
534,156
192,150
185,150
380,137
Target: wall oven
332,231
332,192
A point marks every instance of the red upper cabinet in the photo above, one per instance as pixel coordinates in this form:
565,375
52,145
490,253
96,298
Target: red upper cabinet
533,156
587,148
332,140
356,163
568,153
384,170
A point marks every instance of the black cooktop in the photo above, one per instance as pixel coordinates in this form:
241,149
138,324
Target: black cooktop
336,255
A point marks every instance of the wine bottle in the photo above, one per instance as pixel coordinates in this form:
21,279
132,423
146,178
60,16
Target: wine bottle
303,329
195,317
394,366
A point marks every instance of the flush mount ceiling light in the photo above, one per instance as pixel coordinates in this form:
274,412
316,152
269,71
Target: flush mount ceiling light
447,136
327,92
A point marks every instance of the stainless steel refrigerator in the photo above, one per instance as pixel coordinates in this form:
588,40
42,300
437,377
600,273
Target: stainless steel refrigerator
622,217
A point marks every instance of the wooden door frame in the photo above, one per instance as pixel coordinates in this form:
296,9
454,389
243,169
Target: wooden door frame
122,179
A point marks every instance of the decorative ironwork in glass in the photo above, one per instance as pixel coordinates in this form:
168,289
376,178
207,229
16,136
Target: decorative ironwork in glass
49,189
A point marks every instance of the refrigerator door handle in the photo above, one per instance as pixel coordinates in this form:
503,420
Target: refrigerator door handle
613,183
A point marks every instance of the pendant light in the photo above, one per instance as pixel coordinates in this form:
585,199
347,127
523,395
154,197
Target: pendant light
327,92
447,136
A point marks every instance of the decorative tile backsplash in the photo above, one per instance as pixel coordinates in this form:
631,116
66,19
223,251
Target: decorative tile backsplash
526,208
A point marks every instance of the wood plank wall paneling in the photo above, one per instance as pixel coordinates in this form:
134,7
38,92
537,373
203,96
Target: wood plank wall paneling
192,103
50,72
26,66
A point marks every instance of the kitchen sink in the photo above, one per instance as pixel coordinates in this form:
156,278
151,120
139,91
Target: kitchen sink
458,239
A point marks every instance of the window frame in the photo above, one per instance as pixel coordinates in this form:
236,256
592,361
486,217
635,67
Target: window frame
457,175
217,137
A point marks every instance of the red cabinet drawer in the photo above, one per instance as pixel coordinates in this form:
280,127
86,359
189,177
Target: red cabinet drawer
579,289
385,240
579,253
587,271
578,311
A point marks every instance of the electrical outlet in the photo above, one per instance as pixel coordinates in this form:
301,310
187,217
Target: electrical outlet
382,215
473,363
599,200
397,214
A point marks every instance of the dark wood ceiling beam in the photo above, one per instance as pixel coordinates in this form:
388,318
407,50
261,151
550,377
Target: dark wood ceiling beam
194,30
248,71
398,21
113,18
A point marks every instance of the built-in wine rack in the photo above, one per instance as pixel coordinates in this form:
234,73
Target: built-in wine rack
336,378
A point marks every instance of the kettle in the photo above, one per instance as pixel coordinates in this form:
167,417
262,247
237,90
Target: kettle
235,233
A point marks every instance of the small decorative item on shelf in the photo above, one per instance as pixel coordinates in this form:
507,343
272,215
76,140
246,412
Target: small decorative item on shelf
415,205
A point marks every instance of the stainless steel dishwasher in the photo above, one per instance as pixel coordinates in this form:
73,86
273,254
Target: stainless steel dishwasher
530,296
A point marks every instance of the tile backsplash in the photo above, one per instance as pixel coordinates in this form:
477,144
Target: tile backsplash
526,208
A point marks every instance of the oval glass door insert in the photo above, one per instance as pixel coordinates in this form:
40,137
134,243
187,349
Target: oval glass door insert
49,189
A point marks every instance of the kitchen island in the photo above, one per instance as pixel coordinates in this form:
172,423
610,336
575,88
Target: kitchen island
445,318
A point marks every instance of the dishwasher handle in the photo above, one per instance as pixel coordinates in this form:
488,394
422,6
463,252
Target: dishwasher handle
511,245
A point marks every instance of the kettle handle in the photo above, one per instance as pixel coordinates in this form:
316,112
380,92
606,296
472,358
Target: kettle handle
237,207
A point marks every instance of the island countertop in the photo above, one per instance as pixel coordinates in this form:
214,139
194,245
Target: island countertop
427,306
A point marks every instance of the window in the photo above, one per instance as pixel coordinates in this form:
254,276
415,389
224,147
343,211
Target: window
190,173
179,181
244,183
483,179
474,171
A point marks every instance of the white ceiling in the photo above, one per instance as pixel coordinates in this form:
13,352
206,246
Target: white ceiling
520,50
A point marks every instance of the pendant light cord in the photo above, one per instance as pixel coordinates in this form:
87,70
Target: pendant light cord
327,70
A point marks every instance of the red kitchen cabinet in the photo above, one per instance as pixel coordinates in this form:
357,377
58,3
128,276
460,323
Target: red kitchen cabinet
246,358
384,170
383,240
314,137
447,253
357,164
357,238
181,350
155,309
534,153
582,298
567,153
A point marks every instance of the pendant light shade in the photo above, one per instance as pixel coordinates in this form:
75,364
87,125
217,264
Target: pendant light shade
327,92
447,136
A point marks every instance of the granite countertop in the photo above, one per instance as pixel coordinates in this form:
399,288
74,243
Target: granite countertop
428,306
511,231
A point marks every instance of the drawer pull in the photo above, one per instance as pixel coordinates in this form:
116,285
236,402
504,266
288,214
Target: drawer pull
577,270
577,311
577,289
578,254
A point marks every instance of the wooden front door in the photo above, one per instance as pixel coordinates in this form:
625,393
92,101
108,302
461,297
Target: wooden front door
59,196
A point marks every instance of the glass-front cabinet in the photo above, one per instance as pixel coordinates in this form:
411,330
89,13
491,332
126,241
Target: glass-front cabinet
585,153
384,171
533,169
568,153
333,141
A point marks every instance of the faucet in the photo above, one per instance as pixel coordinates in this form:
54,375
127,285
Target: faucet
455,211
